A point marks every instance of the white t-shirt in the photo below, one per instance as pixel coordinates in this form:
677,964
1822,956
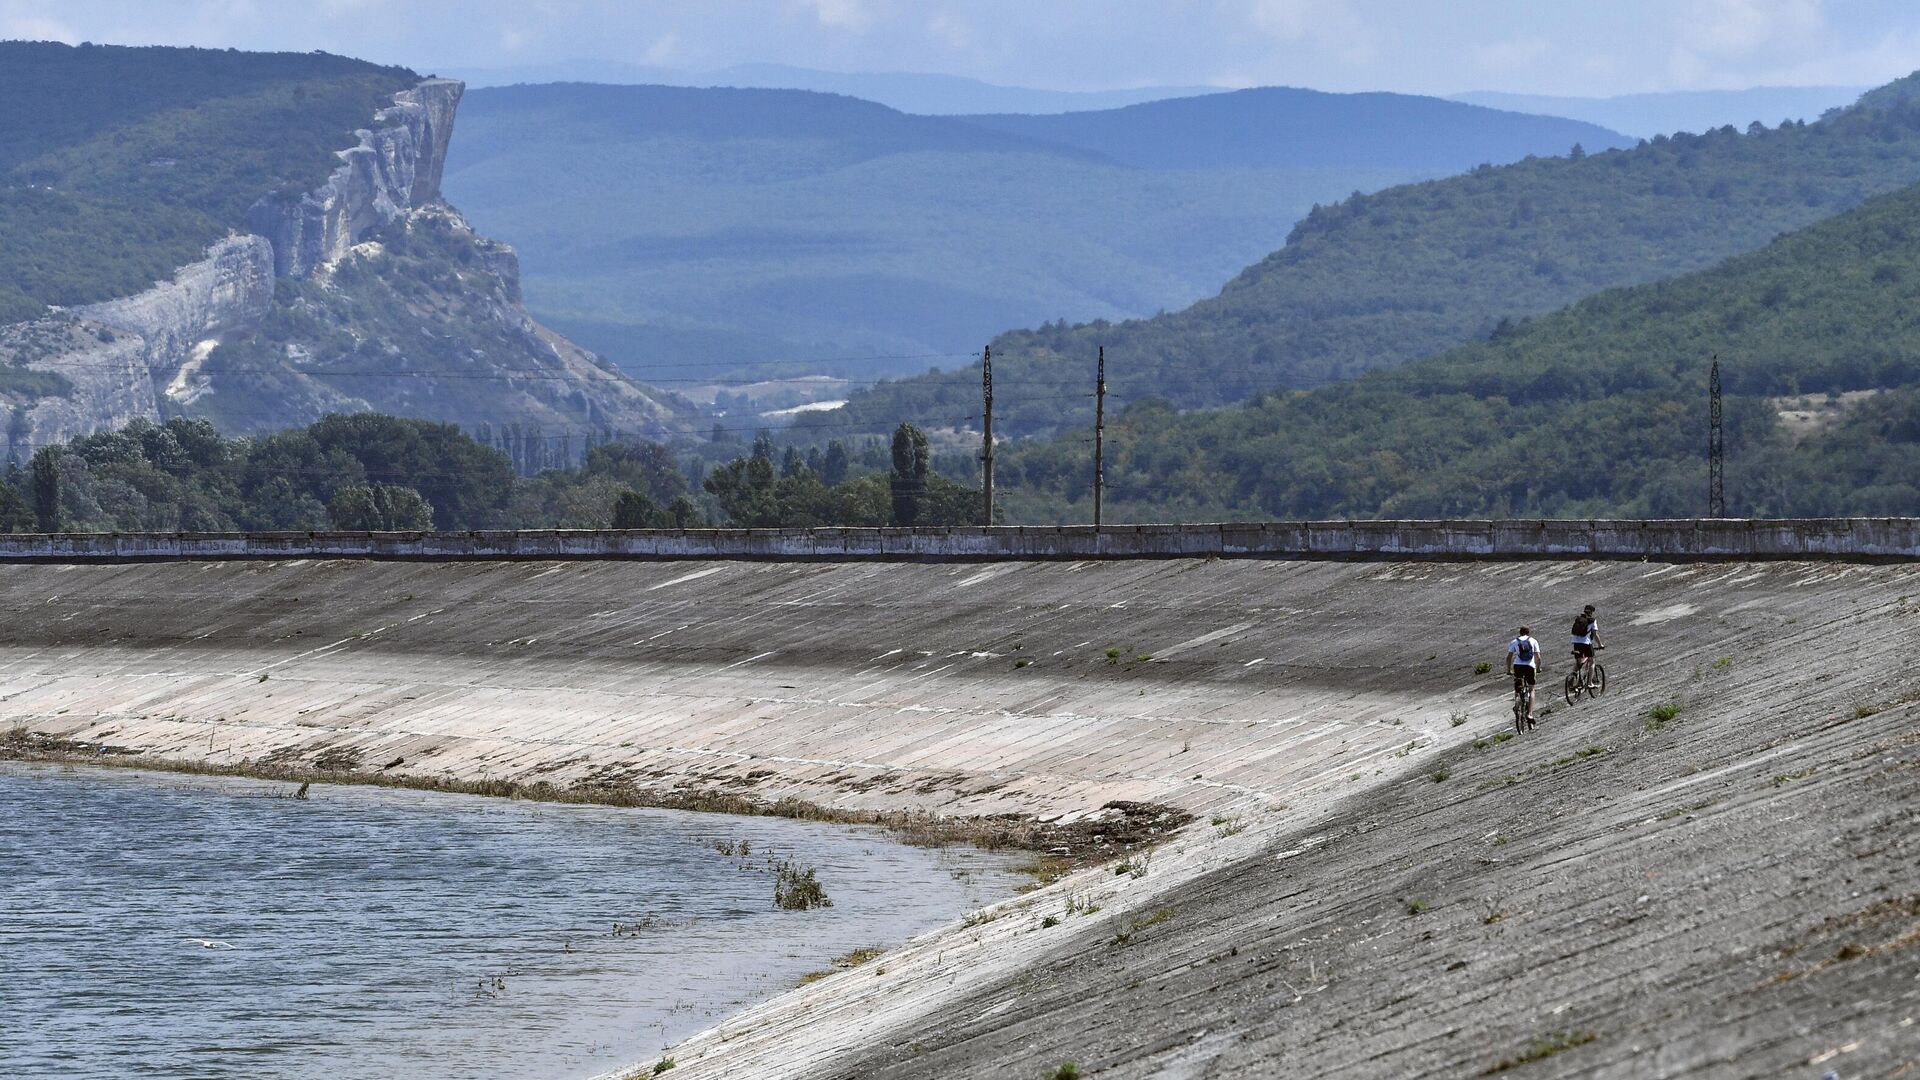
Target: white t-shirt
1592,629
1532,657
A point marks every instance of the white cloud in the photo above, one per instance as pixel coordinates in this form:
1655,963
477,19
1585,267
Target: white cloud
1325,24
840,14
663,50
951,29
37,28
1734,28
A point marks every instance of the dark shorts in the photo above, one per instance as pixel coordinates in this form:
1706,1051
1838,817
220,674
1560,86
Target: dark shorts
1585,651
1522,675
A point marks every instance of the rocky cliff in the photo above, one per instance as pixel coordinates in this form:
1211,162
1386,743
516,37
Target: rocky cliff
395,168
385,300
124,357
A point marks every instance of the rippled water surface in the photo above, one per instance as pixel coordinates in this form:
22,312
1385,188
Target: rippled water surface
374,933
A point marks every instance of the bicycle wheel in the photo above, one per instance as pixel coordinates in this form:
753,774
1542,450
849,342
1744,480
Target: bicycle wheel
1597,682
1529,708
1519,713
1572,688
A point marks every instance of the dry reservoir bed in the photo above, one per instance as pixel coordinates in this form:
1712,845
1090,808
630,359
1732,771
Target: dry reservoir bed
1372,884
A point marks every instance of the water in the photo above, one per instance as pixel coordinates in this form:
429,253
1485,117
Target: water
380,933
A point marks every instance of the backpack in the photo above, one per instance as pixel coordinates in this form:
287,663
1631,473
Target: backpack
1525,647
1580,624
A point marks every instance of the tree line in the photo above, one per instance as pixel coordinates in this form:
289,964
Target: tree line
368,471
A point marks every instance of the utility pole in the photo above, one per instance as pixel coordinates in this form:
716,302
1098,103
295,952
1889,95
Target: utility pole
1716,453
1099,434
986,433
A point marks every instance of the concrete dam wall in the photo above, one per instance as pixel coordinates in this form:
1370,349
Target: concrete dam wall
1864,539
1706,871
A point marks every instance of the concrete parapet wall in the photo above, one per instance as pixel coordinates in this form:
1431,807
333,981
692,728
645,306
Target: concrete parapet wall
1675,540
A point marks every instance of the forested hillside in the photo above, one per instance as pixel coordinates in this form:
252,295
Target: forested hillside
119,164
1596,410
1382,279
684,231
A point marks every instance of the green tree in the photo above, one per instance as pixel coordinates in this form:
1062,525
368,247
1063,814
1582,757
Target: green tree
633,510
46,490
380,508
909,479
15,515
833,470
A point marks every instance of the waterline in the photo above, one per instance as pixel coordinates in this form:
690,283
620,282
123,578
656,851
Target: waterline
377,932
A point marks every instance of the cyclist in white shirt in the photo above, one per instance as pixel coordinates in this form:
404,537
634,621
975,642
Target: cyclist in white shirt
1523,659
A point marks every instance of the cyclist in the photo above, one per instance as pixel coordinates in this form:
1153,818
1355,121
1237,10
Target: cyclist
1586,638
1523,658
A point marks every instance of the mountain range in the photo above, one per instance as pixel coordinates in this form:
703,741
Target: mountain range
689,233
1597,410
1378,280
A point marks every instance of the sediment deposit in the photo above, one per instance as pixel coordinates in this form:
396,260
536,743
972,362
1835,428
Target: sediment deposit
1369,887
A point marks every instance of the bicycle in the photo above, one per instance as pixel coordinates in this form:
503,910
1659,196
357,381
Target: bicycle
1589,678
1523,708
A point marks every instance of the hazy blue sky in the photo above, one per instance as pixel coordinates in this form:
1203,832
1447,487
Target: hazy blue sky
1590,47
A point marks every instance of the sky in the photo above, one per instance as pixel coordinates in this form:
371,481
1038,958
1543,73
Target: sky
1575,47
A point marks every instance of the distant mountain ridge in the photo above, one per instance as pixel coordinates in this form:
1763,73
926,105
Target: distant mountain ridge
1647,115
1287,126
682,230
911,92
1382,279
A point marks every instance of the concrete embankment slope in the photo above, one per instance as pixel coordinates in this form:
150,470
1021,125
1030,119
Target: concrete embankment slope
1728,892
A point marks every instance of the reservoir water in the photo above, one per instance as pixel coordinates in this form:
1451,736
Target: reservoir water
162,925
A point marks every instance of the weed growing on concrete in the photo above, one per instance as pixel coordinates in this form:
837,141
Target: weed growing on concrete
1482,668
1661,715
1439,775
1219,819
1134,866
1544,1047
1481,744
1416,906
1502,736
1787,778
1861,712
1723,663
1457,719
262,678
1577,755
1123,935
1499,840
1049,922
1067,1071
1141,658
1687,809
663,1065
856,957
1020,663
1113,655
1493,914
1231,827
813,977
979,918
